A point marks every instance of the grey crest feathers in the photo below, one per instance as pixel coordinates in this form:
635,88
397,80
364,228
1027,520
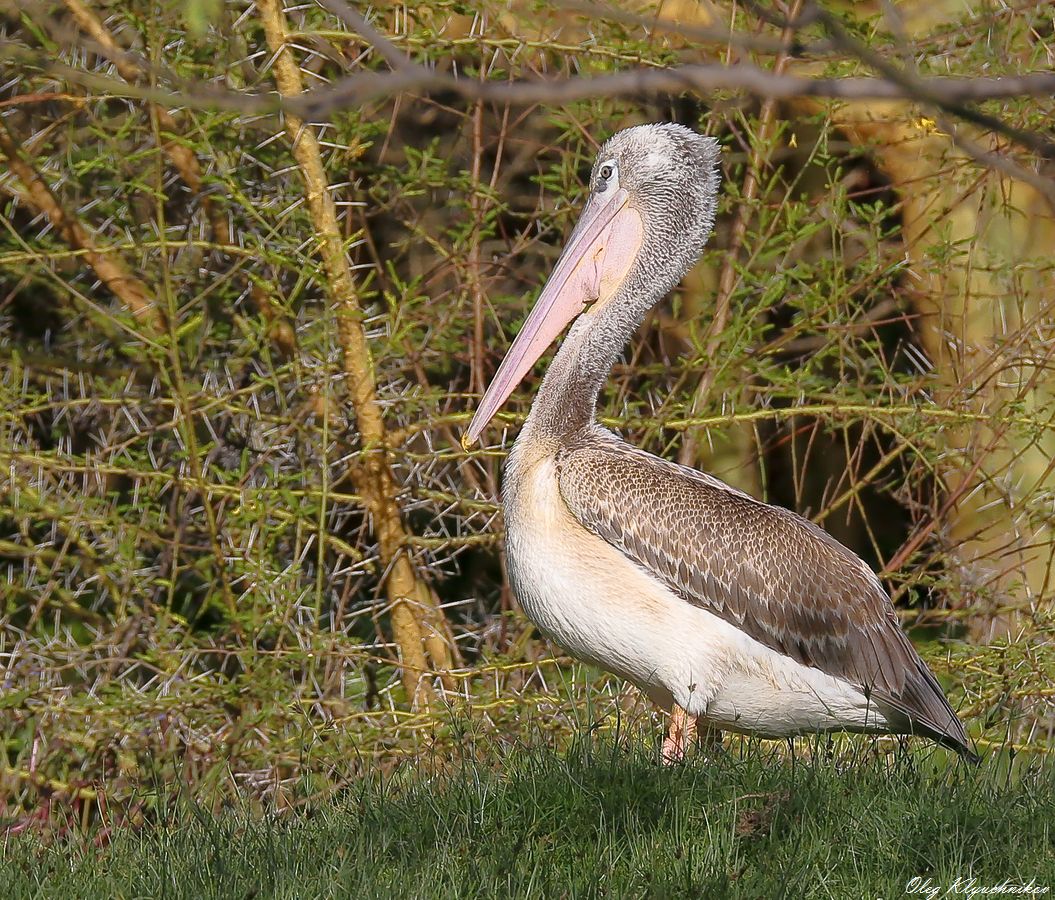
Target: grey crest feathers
672,174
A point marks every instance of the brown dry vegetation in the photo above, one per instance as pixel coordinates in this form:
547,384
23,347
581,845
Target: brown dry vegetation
240,546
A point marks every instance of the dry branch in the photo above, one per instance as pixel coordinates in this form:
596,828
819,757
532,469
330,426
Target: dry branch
703,78
416,620
947,92
126,287
951,94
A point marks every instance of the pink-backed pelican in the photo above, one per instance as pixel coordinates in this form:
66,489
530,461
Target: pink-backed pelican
718,606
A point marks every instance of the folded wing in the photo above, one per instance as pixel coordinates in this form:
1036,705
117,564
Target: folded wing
771,573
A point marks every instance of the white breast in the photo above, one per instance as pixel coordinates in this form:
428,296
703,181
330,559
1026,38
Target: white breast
602,608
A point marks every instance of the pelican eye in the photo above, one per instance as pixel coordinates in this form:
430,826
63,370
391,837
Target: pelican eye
606,174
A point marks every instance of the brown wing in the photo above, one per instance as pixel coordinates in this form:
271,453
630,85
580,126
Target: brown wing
778,577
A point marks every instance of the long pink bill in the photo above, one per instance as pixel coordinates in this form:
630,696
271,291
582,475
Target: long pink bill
599,254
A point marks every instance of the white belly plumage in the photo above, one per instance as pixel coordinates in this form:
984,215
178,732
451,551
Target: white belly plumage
602,608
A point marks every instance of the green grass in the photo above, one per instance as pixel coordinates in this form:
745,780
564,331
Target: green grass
596,821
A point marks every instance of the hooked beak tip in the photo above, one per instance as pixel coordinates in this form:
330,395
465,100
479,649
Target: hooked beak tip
467,441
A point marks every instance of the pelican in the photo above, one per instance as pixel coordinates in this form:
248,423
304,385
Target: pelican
719,607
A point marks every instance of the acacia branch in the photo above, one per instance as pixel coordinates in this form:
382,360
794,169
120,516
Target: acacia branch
416,619
129,68
186,163
129,289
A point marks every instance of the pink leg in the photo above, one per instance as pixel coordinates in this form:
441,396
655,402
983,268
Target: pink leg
679,736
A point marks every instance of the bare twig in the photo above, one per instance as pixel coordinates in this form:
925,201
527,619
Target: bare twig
322,102
702,77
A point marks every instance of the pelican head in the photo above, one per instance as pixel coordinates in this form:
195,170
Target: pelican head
649,212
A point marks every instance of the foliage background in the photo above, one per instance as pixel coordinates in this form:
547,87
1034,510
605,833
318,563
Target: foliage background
201,580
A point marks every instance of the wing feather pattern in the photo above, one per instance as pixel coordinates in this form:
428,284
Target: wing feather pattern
766,570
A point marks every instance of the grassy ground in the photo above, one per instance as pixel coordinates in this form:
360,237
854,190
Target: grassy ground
595,821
